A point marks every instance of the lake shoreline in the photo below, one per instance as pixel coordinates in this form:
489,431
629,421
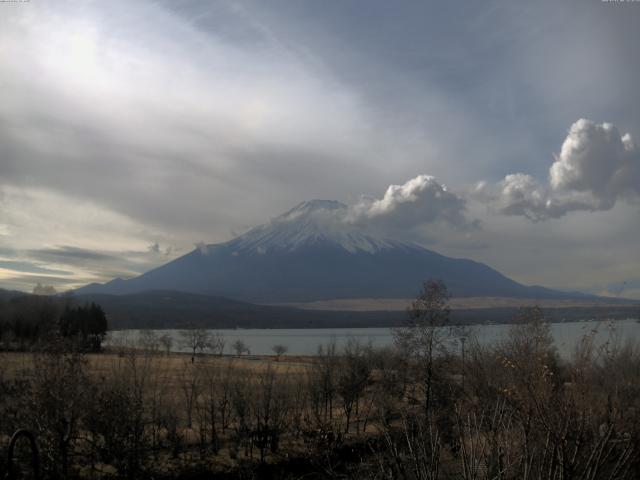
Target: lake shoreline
305,341
298,318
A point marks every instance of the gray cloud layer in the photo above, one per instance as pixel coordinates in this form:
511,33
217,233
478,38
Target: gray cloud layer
129,123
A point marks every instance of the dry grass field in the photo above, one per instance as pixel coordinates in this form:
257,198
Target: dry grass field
501,411
102,363
176,394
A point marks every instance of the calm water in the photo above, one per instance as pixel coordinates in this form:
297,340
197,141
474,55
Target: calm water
306,341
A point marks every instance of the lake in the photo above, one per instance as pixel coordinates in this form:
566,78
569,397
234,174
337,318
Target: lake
306,341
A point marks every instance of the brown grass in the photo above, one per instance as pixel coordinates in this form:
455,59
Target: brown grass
172,365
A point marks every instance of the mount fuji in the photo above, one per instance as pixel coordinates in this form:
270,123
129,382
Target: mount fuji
314,252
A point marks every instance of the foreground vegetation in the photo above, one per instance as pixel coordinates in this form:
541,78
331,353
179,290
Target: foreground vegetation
422,410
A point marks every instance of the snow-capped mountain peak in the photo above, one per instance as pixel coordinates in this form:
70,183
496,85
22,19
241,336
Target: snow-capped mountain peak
310,223
310,206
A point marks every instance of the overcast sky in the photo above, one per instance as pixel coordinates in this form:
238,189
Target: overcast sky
132,130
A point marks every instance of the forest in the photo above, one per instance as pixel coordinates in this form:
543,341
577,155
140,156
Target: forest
32,321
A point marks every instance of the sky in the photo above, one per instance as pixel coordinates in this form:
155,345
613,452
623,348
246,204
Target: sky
505,132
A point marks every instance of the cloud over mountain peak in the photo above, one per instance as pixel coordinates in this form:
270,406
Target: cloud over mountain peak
420,200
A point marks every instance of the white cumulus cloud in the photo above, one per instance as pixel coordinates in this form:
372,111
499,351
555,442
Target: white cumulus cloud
419,201
597,159
596,167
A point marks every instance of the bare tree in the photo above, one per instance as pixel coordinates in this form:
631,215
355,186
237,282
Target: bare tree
61,390
149,341
118,420
190,383
353,378
240,400
240,347
266,412
423,333
279,350
166,341
321,388
217,344
213,403
196,339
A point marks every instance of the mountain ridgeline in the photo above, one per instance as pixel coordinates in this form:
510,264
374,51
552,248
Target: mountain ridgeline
313,252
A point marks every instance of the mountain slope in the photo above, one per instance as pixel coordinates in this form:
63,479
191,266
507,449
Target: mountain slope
313,252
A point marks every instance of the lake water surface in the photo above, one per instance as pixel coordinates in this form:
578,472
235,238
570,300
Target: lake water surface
306,341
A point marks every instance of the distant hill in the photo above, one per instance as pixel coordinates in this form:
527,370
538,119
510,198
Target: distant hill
313,252
163,309
170,309
9,294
